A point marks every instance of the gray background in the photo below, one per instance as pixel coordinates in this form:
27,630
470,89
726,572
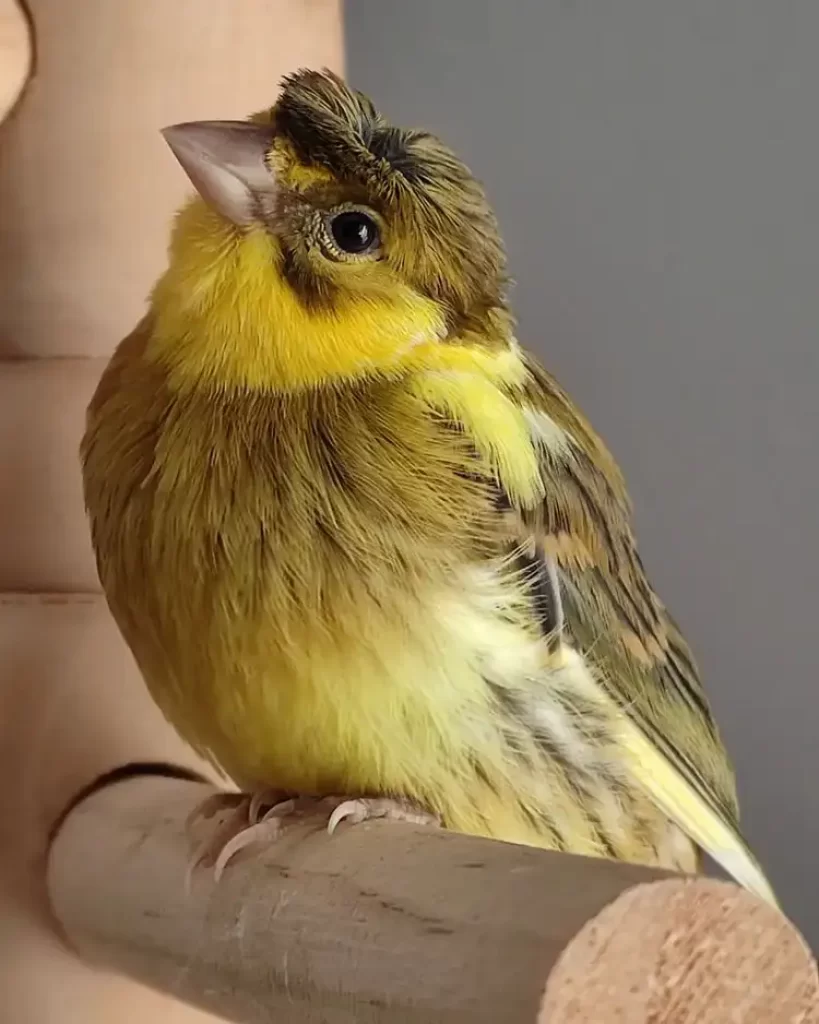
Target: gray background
655,166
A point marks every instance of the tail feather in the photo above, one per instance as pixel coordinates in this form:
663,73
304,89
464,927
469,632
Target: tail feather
686,808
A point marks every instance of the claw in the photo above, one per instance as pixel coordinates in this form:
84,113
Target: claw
231,835
267,829
262,829
250,823
206,850
360,810
355,810
258,801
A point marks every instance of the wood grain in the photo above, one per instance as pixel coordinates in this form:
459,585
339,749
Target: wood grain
390,923
683,952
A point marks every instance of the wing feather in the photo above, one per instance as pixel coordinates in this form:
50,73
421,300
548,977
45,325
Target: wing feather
595,587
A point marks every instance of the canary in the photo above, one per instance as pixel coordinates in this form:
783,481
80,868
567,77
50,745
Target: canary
362,546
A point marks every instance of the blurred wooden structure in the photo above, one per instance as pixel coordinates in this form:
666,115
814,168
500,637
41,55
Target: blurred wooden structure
391,923
16,54
87,193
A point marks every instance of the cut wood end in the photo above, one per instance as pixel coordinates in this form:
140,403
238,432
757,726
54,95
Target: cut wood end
683,952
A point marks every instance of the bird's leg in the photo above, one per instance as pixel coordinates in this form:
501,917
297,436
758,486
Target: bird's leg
261,817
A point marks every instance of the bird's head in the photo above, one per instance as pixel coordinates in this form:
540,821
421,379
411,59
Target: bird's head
324,244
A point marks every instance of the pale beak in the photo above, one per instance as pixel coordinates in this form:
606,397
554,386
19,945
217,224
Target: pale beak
227,163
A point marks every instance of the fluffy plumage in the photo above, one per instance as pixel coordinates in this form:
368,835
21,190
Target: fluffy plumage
357,540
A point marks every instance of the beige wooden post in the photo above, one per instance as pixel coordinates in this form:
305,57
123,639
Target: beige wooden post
87,190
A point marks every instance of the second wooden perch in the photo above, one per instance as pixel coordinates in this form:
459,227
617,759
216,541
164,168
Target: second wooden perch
391,923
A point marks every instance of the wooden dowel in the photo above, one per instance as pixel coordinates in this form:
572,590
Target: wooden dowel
15,54
382,922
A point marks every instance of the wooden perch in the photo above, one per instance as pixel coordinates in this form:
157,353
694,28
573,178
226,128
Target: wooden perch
391,923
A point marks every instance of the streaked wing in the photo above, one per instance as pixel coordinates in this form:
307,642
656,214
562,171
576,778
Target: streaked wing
582,536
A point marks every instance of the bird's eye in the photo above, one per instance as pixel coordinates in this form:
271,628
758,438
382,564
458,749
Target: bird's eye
354,232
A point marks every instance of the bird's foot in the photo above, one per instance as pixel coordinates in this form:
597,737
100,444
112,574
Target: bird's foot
358,809
243,825
262,817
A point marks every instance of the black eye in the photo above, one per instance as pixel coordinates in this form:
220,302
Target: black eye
354,232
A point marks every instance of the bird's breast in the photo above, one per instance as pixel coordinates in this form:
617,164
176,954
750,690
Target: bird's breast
284,572
318,596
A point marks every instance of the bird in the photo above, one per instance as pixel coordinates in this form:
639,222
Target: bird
366,551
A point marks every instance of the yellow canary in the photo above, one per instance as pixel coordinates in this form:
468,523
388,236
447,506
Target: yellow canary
361,545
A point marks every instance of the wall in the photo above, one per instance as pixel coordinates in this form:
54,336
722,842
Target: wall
655,168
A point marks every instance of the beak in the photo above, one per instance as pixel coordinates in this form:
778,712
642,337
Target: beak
226,162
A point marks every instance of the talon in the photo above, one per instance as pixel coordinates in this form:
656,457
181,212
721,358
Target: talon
269,798
359,810
267,828
280,810
355,809
254,808
208,848
250,823
238,830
